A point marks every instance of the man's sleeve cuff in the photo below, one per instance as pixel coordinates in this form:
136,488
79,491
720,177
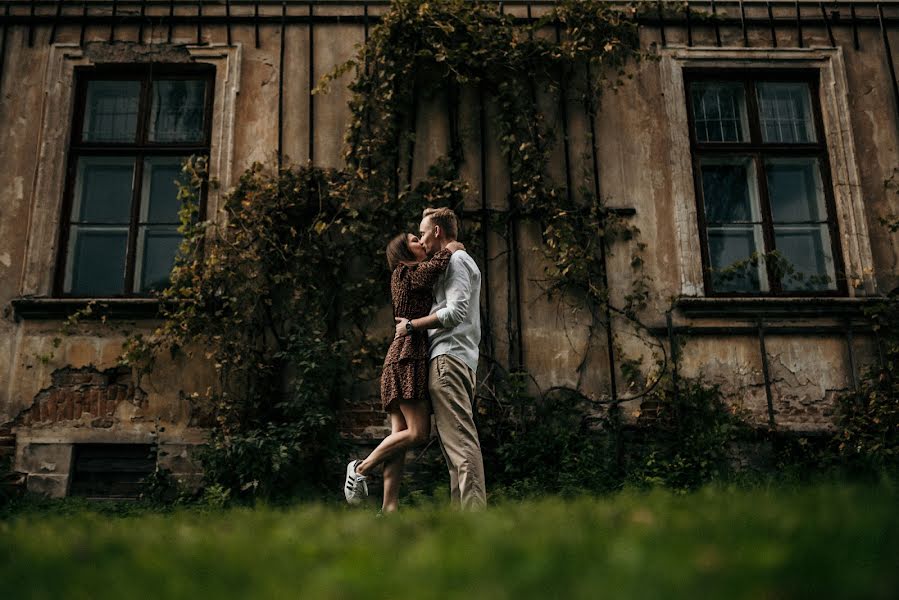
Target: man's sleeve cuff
442,316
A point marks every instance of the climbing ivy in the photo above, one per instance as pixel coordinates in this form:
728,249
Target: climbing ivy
280,295
868,416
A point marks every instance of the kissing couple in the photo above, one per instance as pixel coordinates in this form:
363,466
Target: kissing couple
431,364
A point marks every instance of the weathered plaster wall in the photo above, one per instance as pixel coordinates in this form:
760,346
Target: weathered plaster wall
37,379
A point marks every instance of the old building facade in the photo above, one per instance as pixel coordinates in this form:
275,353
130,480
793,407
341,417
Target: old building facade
769,128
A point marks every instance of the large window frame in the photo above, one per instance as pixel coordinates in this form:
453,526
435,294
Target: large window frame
140,149
759,151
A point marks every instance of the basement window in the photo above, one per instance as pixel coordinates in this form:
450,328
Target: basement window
111,471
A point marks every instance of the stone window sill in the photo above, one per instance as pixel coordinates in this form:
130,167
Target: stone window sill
774,308
30,308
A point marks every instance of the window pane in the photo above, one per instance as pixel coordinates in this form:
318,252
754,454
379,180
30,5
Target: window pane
110,111
96,261
785,111
719,111
795,190
159,194
177,110
729,189
736,261
103,189
156,250
805,260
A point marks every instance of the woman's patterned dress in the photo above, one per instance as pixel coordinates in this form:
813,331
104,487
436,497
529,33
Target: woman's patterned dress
405,374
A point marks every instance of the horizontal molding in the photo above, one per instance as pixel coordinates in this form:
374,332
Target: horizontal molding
29,308
774,308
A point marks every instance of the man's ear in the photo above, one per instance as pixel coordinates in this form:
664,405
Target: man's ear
437,231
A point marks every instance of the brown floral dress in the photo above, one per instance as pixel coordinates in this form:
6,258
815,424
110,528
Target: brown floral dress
405,374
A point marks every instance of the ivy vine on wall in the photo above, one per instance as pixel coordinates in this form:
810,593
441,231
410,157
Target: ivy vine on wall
282,294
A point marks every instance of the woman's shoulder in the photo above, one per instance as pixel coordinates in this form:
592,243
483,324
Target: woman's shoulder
401,272
404,268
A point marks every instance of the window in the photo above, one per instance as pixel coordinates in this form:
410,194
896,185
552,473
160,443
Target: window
133,128
766,212
111,471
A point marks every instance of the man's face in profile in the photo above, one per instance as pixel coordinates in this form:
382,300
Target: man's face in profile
426,235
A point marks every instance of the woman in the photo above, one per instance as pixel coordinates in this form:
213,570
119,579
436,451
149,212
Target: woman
404,379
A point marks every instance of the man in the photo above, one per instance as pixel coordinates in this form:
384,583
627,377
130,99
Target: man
454,332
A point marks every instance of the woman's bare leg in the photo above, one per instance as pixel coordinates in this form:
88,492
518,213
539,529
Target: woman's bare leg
418,428
393,467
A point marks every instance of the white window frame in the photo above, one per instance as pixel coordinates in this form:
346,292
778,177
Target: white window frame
56,122
833,90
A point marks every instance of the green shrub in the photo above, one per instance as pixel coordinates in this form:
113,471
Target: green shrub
688,442
868,417
280,295
536,445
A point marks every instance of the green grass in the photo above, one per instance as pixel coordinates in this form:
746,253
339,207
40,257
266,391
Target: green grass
822,541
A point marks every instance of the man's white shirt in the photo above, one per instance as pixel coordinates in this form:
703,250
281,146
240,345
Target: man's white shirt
457,296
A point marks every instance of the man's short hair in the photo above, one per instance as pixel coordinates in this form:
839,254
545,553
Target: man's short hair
445,218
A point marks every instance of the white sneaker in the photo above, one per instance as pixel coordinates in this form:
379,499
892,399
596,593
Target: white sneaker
355,488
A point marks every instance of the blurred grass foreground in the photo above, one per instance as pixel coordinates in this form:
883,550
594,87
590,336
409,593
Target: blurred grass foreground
820,541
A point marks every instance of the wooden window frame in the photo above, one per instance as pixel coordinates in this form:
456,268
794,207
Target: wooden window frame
140,149
759,151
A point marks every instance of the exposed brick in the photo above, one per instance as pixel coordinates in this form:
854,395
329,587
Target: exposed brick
52,406
98,403
68,409
86,400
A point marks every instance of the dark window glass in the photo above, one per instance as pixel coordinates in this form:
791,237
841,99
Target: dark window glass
767,223
785,112
795,190
733,252
734,223
799,215
122,234
176,114
158,237
97,260
719,110
110,111
103,190
156,256
159,201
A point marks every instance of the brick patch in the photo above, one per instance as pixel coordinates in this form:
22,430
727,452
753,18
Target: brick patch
81,393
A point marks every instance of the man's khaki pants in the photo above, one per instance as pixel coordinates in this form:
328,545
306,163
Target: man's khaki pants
451,384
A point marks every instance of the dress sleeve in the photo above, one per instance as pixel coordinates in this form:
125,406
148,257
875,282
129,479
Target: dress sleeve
425,274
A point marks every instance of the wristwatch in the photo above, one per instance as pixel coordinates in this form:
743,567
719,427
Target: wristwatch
409,327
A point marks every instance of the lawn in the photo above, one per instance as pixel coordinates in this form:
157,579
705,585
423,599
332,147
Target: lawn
821,541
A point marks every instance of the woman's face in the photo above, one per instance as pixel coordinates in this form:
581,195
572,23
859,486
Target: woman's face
416,247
